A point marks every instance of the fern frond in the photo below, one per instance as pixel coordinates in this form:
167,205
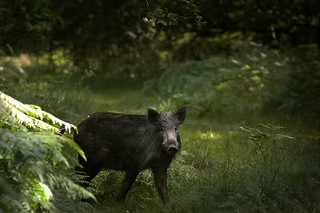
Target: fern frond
33,116
32,169
72,144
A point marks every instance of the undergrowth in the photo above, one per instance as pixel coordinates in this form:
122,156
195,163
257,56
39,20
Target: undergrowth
35,174
232,159
256,79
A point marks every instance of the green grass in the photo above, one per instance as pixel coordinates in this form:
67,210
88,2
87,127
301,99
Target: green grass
221,168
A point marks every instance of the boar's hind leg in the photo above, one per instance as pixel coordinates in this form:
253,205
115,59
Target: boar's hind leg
91,171
160,179
127,183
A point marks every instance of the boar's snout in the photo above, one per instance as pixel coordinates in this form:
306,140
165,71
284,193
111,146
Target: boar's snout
172,150
171,144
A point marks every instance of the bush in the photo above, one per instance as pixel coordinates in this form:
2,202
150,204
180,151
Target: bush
34,171
253,80
217,85
296,87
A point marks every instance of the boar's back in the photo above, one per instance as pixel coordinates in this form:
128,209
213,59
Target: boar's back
116,140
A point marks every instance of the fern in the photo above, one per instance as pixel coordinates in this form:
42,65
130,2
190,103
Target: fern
34,173
33,116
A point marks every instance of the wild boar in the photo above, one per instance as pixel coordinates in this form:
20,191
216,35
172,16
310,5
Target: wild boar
131,143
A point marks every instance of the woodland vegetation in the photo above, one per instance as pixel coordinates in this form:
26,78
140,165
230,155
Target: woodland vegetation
248,70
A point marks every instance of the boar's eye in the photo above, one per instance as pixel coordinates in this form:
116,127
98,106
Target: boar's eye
161,129
175,128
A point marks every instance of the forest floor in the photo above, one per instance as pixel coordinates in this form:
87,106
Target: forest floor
234,163
230,162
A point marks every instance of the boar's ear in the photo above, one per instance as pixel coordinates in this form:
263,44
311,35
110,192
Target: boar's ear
153,116
180,114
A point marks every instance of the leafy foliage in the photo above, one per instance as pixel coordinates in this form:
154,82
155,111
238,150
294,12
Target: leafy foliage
161,12
32,116
34,170
213,85
255,79
88,30
26,23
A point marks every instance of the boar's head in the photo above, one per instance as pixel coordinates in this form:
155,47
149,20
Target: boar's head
166,128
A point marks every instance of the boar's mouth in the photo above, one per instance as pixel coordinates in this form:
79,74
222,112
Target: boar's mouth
172,150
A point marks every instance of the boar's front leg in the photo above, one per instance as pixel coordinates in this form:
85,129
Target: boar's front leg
127,183
160,179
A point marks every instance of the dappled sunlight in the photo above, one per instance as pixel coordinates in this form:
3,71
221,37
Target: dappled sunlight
208,135
47,193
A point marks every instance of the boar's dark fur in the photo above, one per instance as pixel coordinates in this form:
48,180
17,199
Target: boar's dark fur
131,143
